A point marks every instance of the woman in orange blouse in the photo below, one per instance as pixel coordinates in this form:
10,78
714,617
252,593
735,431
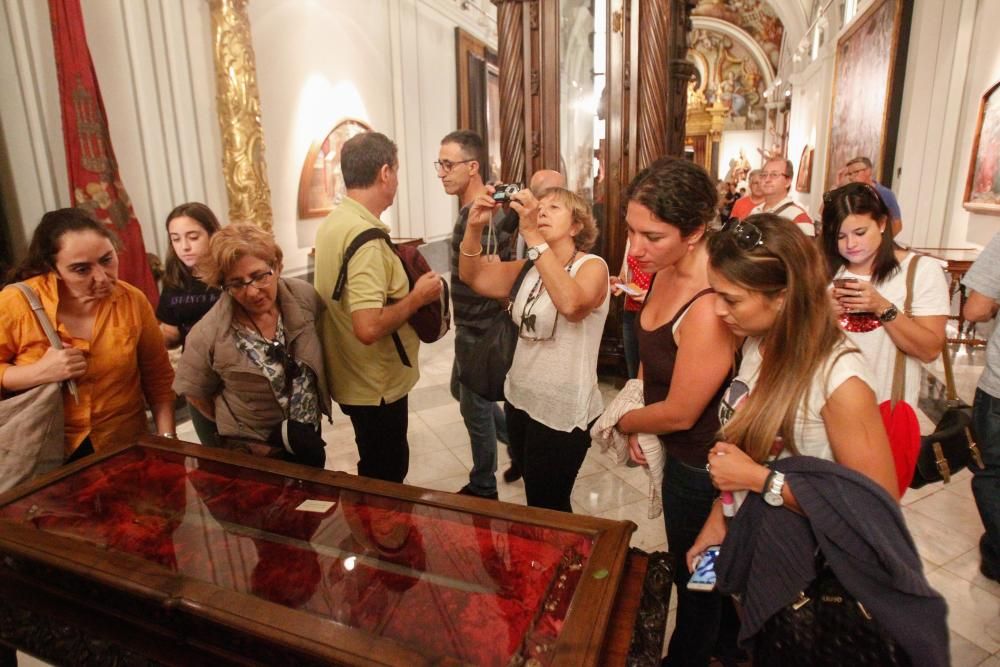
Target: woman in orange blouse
113,347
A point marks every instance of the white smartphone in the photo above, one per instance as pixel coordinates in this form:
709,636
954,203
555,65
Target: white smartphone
703,578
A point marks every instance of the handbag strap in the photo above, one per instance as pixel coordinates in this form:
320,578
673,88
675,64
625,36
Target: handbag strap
949,375
46,323
899,371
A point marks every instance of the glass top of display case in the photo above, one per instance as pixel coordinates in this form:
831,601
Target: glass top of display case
440,581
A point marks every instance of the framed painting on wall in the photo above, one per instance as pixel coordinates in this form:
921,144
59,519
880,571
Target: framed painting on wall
871,57
803,182
478,78
321,185
982,186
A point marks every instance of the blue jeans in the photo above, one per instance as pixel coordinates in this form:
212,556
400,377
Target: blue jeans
986,482
630,342
484,420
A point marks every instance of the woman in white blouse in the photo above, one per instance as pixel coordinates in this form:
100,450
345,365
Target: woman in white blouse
560,309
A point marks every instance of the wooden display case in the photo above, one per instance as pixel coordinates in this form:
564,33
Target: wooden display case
163,552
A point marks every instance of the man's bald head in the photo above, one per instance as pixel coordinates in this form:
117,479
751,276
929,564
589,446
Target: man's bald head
545,179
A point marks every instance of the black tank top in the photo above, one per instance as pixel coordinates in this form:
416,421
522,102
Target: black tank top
658,354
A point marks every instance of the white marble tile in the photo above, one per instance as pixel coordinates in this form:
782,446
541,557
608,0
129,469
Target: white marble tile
966,566
992,661
970,608
650,533
430,466
937,542
965,653
603,492
957,511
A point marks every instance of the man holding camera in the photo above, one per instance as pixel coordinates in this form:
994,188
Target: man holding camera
461,166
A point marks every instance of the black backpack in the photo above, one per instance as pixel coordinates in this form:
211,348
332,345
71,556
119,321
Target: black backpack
431,321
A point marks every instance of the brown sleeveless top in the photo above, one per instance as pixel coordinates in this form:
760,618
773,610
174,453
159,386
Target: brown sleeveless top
658,354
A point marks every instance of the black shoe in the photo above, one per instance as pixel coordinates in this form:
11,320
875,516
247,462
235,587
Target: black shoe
512,474
467,491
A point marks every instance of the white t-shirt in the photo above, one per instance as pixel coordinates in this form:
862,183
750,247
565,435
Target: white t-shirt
810,432
930,297
555,381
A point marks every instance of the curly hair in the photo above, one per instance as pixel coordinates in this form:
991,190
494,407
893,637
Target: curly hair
677,192
233,243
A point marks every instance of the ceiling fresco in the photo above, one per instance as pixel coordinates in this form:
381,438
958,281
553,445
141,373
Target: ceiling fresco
729,75
755,17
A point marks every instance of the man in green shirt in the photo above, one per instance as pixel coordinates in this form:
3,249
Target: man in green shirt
366,375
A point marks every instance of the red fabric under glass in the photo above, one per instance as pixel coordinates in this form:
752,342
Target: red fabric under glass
443,582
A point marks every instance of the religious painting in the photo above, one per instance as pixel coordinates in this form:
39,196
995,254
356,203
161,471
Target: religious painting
727,74
804,179
982,188
864,113
321,186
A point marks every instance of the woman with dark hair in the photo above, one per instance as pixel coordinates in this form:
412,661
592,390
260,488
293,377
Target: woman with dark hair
560,308
113,347
801,394
185,297
869,273
686,356
254,363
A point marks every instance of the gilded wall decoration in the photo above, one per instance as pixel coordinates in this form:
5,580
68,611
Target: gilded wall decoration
728,75
243,163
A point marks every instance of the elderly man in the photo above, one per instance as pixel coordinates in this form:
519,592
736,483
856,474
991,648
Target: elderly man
983,283
460,166
776,181
859,170
364,368
744,205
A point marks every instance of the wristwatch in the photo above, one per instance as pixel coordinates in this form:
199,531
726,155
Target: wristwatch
535,251
772,489
888,315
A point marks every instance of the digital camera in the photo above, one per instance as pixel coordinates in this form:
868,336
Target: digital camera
503,192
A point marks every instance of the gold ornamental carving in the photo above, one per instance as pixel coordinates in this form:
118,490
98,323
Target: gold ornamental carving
243,163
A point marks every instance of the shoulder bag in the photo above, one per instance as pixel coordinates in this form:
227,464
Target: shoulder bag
31,422
485,367
952,446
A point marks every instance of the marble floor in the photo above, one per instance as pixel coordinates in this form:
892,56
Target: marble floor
942,518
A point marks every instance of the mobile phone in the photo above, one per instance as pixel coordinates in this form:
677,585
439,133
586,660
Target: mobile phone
703,578
629,289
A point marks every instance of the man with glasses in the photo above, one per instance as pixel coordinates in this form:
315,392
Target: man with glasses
859,170
461,166
776,182
365,370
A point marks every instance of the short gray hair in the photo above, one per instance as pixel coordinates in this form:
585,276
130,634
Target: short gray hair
363,156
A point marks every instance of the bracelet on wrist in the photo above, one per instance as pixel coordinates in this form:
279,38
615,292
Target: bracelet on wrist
470,254
172,436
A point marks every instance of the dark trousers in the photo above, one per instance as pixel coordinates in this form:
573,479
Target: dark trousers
630,342
687,500
549,459
986,482
380,431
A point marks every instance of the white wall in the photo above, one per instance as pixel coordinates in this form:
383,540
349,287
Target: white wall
388,62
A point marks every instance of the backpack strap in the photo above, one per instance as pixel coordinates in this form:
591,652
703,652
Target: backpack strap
899,370
338,289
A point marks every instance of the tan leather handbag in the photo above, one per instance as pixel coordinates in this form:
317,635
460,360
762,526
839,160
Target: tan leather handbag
31,422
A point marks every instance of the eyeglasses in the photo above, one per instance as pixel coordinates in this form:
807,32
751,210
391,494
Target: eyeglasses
773,174
746,234
258,280
445,166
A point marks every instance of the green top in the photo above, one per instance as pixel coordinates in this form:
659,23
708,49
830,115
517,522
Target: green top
361,374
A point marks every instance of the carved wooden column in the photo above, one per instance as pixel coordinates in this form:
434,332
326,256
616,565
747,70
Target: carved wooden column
681,70
243,164
653,79
513,89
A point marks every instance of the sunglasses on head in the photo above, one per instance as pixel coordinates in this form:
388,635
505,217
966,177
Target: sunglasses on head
746,234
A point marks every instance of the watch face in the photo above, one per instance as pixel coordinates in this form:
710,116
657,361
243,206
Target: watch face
774,499
533,253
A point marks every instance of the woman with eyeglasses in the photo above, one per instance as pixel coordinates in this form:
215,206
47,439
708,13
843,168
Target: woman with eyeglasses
254,364
185,298
686,354
801,391
560,309
113,352
869,274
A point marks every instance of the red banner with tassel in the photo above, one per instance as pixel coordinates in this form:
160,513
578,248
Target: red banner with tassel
94,181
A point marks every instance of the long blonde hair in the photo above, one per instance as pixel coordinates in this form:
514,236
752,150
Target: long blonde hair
798,344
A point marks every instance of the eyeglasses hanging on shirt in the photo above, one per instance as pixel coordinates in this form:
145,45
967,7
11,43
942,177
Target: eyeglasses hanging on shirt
528,329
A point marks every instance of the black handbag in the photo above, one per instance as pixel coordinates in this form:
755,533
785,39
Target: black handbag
952,446
826,626
483,367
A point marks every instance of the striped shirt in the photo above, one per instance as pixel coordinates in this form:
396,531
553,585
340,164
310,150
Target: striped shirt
470,309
